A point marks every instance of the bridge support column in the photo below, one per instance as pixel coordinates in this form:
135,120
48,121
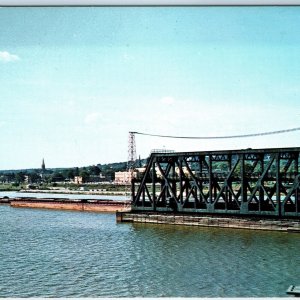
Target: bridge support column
210,207
153,186
244,200
278,196
244,208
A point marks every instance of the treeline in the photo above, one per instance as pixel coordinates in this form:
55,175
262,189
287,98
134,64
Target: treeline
50,175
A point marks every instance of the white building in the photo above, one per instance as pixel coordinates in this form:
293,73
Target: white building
124,177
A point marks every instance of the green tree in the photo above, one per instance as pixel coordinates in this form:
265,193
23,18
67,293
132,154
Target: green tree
2,178
94,170
35,177
84,174
19,177
238,168
68,173
76,171
57,177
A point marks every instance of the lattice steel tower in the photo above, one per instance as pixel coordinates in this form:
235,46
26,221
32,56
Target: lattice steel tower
131,151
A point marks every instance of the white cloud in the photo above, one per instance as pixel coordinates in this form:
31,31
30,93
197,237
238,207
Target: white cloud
91,118
8,57
167,100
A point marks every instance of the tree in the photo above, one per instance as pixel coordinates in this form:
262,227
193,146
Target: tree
76,171
94,170
34,177
57,177
247,169
19,177
68,173
2,178
84,174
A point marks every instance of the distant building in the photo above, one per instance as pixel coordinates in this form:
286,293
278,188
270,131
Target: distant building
43,166
90,179
78,179
26,179
162,151
126,176
96,178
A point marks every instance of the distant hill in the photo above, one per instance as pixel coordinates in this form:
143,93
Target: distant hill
110,167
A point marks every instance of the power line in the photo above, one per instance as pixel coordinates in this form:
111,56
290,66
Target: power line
219,137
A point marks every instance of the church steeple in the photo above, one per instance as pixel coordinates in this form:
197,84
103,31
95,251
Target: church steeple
43,166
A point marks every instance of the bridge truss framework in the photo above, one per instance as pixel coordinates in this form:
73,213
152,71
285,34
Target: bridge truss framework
245,182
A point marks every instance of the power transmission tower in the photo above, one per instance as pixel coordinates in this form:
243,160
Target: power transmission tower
131,160
131,151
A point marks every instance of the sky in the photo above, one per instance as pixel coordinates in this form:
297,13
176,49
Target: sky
74,81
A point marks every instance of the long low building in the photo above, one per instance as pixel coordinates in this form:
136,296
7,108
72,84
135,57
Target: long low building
125,177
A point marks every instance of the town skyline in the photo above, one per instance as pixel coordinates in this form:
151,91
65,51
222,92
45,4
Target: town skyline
75,81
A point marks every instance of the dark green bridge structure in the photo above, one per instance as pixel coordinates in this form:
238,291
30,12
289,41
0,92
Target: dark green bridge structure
264,182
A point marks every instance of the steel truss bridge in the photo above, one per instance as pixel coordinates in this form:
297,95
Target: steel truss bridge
263,182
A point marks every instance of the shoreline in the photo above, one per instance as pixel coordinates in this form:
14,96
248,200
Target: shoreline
64,191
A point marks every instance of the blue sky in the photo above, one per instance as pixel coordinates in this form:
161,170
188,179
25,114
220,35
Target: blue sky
75,81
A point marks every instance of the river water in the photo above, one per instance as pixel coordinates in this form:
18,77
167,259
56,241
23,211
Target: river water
52,253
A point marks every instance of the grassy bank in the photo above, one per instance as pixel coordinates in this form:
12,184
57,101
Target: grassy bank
11,187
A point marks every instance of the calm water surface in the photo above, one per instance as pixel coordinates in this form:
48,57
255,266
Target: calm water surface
47,253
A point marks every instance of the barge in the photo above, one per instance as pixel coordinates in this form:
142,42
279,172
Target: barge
68,204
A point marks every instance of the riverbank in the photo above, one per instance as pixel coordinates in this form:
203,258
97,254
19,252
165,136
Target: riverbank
77,192
84,189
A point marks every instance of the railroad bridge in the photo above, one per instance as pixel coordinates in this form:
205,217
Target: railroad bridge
263,182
